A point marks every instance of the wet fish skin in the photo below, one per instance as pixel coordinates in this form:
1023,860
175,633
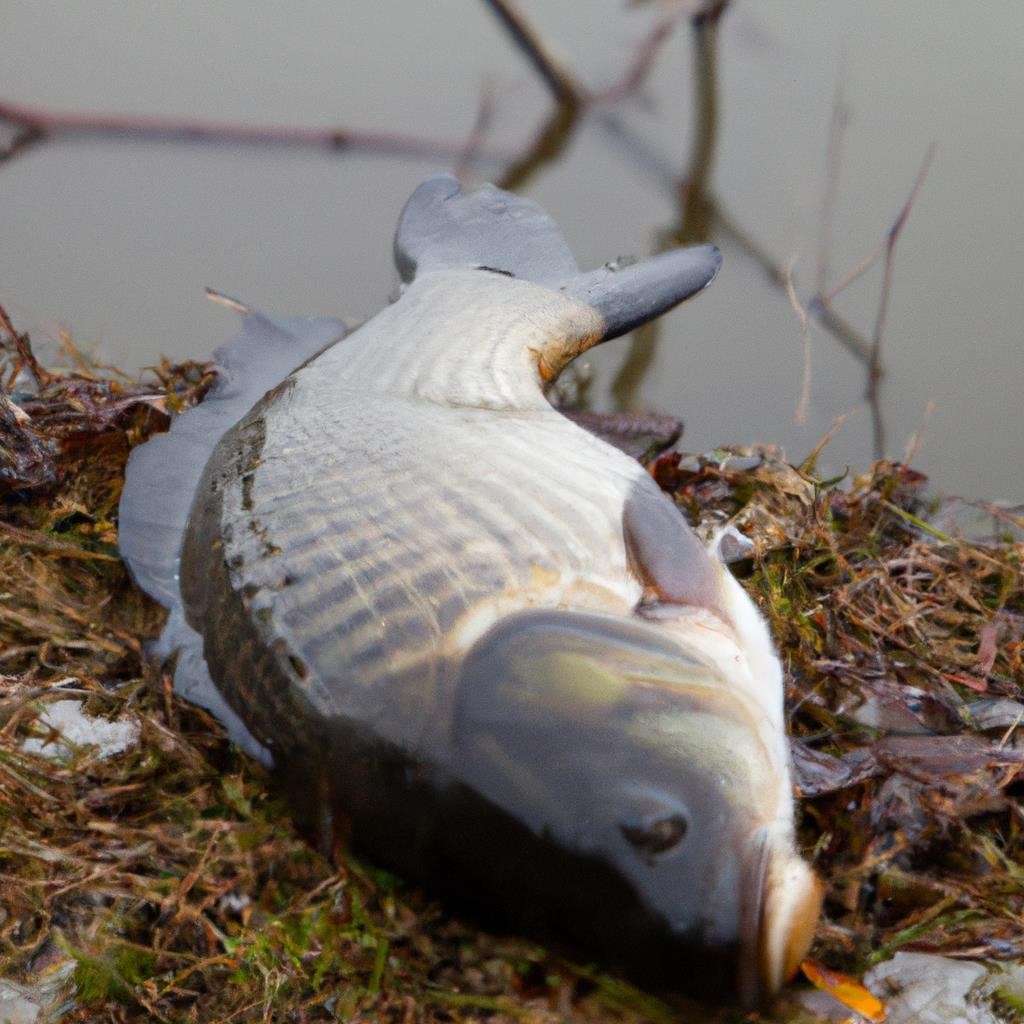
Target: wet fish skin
484,636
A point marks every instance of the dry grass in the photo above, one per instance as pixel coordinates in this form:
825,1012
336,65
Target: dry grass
177,885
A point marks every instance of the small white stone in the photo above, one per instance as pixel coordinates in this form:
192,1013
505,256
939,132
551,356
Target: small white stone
43,1002
919,988
67,718
15,1008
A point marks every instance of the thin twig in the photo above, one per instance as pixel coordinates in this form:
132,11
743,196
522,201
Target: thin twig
824,315
917,437
890,250
643,348
875,355
639,69
697,214
570,97
872,258
696,209
23,140
559,80
805,333
727,225
874,398
640,151
24,349
837,125
841,329
853,274
548,145
477,134
38,124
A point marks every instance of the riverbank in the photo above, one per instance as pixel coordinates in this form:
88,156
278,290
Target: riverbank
147,871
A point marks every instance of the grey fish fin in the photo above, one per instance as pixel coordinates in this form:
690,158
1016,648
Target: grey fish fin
631,295
162,475
192,681
667,556
443,227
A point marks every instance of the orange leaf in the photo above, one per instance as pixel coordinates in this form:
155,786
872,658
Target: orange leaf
971,682
847,990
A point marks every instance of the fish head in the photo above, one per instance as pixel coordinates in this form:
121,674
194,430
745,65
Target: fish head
620,747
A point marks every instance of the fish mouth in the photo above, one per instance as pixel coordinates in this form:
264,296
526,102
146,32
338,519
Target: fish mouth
782,903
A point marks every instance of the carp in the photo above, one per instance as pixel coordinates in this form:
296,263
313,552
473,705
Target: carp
474,633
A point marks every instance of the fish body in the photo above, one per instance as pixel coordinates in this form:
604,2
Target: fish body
476,632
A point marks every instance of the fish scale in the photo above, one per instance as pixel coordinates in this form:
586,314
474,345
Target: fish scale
485,550
470,630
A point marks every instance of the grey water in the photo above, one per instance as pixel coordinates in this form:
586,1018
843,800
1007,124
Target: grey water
116,239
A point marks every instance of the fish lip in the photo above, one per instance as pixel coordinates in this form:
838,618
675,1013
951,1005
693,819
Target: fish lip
751,981
780,906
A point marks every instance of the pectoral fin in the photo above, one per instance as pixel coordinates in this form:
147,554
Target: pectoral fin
667,556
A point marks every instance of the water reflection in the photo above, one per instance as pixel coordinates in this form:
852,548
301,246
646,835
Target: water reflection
118,240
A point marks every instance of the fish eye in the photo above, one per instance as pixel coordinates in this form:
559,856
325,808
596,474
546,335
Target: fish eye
657,836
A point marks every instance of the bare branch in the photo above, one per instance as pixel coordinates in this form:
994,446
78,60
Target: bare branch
730,227
874,397
843,331
643,347
639,150
37,124
888,242
696,206
858,271
559,80
548,145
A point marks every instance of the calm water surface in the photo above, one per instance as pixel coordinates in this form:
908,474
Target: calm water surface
116,239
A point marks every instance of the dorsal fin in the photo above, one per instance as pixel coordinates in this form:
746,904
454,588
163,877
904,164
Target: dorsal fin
441,227
162,475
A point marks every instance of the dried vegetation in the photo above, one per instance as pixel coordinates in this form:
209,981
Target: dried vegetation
173,881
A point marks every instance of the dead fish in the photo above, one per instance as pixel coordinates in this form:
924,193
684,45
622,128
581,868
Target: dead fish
473,630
